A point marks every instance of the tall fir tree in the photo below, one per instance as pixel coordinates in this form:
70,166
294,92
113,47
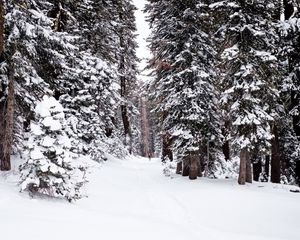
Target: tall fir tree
250,76
184,82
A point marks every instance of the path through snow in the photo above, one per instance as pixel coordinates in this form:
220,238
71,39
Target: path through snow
131,199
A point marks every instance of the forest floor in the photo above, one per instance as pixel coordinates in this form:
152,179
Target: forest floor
131,199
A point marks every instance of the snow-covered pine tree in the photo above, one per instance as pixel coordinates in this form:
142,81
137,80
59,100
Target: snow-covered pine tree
184,83
50,59
250,75
289,133
101,31
124,29
26,33
49,168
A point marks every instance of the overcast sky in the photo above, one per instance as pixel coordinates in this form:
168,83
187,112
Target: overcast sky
143,31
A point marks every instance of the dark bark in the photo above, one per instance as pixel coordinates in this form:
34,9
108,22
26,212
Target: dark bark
298,172
8,125
267,167
185,167
179,168
123,84
226,145
59,15
194,164
1,27
257,170
275,157
167,147
2,127
243,166
124,112
226,150
2,104
295,102
200,167
288,9
248,169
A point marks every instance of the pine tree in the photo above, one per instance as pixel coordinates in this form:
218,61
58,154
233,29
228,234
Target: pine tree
250,76
289,90
49,59
184,60
127,59
49,168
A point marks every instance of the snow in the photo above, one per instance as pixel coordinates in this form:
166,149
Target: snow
132,199
48,141
36,154
53,125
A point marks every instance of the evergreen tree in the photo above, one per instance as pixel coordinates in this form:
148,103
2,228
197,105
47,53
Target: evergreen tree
184,83
289,88
127,68
250,75
48,53
49,168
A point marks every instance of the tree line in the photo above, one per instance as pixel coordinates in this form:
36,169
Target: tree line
226,84
68,74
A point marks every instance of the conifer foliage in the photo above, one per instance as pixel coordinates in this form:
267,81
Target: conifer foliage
63,55
184,59
225,74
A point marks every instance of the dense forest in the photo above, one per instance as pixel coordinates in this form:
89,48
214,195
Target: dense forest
224,85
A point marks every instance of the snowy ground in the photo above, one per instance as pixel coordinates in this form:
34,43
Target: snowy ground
131,199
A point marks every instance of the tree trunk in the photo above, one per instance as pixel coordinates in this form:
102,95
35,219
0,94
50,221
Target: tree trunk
199,167
298,172
226,150
243,166
275,157
123,84
9,123
1,28
2,127
185,167
194,163
167,147
257,170
124,112
145,128
2,104
248,169
179,168
267,167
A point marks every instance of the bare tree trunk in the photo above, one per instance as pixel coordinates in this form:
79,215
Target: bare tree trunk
2,105
248,169
146,150
185,167
275,158
257,170
226,150
298,172
179,168
9,123
124,112
1,27
194,164
167,147
266,169
243,166
199,167
2,127
226,144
